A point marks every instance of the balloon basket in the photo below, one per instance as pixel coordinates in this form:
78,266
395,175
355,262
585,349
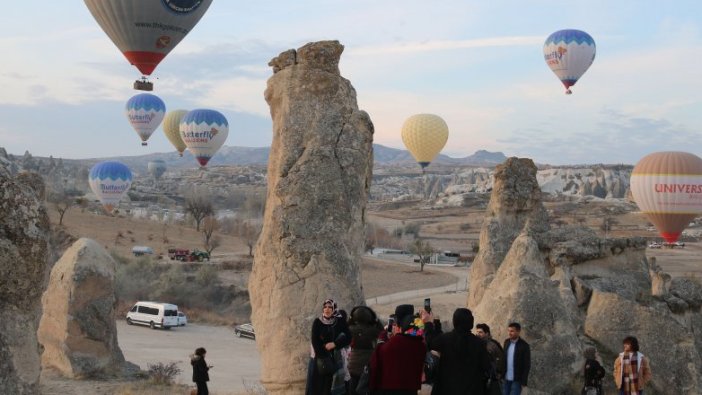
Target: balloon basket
143,85
568,92
144,143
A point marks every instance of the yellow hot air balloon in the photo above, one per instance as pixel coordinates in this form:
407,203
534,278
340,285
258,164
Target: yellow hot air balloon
424,136
667,187
171,128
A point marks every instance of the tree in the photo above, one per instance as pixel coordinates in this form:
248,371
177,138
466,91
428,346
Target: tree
63,200
199,206
249,232
209,226
423,250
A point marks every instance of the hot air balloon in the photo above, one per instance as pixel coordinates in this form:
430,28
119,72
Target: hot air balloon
109,181
424,136
171,128
156,168
145,112
569,53
145,31
204,132
667,187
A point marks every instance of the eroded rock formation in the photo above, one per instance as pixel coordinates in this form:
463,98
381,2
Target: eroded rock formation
319,174
24,250
78,328
570,289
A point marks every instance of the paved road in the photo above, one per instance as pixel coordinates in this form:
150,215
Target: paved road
235,360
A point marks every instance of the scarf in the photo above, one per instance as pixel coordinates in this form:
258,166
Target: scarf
630,382
331,320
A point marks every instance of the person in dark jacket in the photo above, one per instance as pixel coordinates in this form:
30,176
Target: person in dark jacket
497,356
365,328
396,366
517,361
464,361
594,372
200,371
329,334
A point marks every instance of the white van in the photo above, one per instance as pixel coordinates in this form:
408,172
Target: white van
153,314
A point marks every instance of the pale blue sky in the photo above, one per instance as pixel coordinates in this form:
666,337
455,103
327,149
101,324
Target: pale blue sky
478,64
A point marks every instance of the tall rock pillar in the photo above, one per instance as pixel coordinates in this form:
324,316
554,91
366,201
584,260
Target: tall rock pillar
24,266
319,174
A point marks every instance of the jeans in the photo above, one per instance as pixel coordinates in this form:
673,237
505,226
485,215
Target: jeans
512,388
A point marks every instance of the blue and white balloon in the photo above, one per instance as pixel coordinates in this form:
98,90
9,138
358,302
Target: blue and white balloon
569,53
110,181
204,132
145,112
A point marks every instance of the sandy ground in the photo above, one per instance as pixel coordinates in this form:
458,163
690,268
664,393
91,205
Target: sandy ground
235,360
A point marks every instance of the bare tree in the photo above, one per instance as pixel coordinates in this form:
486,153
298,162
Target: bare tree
254,204
63,200
249,232
210,241
199,206
423,250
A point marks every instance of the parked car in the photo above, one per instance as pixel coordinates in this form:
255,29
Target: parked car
142,250
655,245
163,315
245,330
182,319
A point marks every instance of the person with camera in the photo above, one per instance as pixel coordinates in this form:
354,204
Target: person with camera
200,371
396,366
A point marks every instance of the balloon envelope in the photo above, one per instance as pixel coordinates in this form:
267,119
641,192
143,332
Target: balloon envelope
171,128
424,135
667,187
145,112
569,53
156,168
109,181
145,31
204,132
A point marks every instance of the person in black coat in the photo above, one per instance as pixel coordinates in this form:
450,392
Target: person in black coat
594,372
200,369
464,362
517,361
365,328
330,333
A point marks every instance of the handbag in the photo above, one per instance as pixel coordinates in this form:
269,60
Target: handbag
326,365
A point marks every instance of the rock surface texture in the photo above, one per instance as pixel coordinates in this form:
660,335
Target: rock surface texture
78,328
24,251
319,175
571,289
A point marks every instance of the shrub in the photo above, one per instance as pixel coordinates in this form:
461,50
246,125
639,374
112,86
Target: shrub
163,373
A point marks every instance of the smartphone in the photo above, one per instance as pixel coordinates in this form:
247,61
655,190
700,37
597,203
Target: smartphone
427,305
391,323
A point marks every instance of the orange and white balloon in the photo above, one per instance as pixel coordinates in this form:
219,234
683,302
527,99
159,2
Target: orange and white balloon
667,187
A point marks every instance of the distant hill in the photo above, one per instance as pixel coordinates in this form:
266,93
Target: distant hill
229,155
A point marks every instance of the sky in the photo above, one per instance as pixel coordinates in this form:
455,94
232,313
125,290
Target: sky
477,64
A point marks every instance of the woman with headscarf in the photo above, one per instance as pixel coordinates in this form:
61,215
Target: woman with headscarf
329,335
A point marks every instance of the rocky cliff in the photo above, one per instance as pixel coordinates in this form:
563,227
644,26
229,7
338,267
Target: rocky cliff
570,289
319,175
24,251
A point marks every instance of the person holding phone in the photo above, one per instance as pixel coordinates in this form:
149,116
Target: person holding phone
200,371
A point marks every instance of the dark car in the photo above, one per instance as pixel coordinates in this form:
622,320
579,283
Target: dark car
245,330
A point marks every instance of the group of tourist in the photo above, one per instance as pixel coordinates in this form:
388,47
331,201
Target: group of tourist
354,354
